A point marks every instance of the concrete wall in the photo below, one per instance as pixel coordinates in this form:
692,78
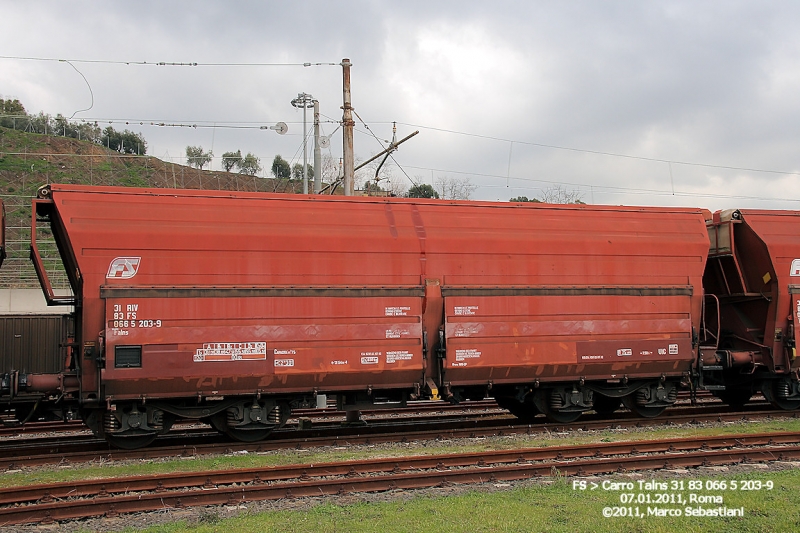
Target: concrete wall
27,302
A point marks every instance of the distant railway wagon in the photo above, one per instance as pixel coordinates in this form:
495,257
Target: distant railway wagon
234,308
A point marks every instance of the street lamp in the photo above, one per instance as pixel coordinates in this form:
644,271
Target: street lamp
304,101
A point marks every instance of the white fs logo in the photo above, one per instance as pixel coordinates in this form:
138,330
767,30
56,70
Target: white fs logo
123,267
795,270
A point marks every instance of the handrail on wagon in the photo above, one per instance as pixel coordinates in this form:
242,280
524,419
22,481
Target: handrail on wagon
704,327
38,264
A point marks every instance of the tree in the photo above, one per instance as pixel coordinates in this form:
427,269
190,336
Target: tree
12,107
64,127
110,138
231,160
133,143
381,177
124,142
196,157
250,165
12,113
454,189
558,194
374,189
39,124
90,131
280,168
330,169
422,190
297,171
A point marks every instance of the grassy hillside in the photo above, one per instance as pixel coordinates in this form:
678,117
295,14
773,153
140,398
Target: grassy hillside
28,161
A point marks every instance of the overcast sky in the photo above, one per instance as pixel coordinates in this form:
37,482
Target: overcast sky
513,96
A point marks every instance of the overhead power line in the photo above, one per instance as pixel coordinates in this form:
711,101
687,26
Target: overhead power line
172,63
600,152
431,128
255,124
609,188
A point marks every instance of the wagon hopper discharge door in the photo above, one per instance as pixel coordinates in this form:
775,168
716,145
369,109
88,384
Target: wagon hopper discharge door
752,282
547,335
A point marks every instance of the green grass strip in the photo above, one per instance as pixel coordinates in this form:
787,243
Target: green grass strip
553,507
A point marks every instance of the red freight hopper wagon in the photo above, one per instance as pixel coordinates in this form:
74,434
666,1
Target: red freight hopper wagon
235,308
753,308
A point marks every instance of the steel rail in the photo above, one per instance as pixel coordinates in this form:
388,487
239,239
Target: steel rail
113,496
182,480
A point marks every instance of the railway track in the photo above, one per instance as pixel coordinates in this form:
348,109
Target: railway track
83,448
110,497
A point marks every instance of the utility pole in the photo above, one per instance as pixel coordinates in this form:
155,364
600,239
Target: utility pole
317,152
347,129
304,101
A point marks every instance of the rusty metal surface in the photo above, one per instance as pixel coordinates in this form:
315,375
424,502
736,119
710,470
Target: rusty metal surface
644,265
295,344
258,292
527,338
32,343
39,206
568,291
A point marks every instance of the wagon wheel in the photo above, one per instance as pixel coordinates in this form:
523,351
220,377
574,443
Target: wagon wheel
645,411
542,401
524,411
218,422
131,442
605,405
564,417
735,398
770,392
248,435
168,421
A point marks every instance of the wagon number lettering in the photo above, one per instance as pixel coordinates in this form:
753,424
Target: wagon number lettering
136,323
125,314
125,317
